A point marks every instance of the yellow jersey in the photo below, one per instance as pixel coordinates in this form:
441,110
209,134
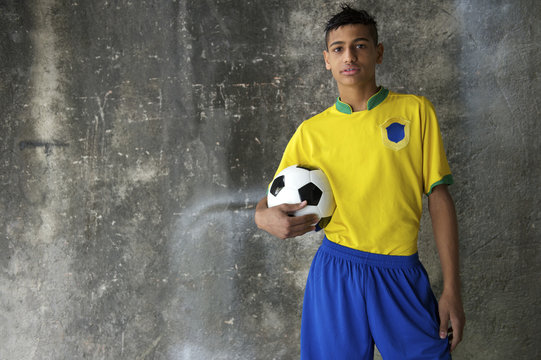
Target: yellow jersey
379,163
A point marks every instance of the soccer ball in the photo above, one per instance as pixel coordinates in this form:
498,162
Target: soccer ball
297,183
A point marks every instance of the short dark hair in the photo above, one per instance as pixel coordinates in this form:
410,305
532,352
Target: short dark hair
349,16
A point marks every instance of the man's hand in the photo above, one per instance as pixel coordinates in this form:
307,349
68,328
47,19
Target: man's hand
450,308
278,220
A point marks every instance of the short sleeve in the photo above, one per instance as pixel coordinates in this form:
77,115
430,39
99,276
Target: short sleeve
436,169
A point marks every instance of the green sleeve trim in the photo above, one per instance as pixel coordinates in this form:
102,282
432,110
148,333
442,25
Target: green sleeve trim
447,179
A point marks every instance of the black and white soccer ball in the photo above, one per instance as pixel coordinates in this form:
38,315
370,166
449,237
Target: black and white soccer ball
297,183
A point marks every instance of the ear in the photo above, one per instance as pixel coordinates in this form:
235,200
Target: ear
326,57
379,50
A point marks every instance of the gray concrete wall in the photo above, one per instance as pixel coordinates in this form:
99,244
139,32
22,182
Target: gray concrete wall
137,136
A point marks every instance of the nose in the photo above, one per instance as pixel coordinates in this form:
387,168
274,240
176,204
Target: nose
349,55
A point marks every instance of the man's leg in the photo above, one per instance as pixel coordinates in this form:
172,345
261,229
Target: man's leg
334,319
403,314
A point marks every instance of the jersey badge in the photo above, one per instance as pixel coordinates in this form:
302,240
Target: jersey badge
395,133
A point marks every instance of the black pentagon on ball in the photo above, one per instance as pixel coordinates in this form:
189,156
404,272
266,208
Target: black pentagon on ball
324,221
311,193
277,185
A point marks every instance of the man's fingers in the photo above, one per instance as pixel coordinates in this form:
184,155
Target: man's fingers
283,224
300,231
450,338
295,221
291,208
303,223
280,222
299,225
451,314
444,324
456,334
304,219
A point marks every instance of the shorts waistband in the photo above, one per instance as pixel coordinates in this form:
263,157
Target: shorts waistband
362,257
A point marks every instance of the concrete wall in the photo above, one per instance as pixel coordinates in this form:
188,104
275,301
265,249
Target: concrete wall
137,136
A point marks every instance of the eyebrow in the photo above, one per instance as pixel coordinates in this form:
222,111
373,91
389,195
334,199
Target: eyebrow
343,42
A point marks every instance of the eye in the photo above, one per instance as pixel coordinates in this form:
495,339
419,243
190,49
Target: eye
337,49
361,46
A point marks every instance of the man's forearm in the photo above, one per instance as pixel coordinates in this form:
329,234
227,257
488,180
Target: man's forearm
444,224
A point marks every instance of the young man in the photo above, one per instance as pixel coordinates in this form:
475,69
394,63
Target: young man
381,152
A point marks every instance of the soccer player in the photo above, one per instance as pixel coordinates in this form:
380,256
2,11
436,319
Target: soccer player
382,152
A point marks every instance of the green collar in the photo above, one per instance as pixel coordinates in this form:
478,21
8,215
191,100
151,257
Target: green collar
374,101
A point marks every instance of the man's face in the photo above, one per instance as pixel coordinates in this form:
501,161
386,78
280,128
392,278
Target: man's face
352,55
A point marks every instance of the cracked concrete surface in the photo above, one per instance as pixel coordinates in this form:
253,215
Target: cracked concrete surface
137,136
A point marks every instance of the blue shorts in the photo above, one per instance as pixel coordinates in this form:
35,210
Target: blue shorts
354,299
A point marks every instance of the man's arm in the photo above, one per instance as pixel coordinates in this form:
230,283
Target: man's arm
276,220
444,224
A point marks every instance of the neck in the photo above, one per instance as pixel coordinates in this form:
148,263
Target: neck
357,97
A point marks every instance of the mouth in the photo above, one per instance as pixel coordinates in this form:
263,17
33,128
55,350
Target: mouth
350,70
